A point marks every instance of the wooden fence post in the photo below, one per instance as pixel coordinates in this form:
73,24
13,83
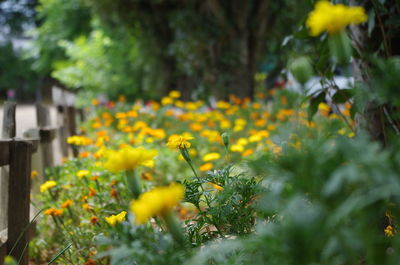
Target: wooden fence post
7,133
46,135
71,113
19,190
63,130
9,126
4,160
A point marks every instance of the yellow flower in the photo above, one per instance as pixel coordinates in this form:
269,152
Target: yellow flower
179,141
389,231
167,100
255,138
242,141
333,18
82,173
79,140
113,219
157,201
206,167
211,157
174,94
237,148
47,185
215,186
127,158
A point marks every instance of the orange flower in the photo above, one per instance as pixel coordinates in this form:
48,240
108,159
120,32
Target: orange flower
206,167
53,212
147,176
34,174
247,152
86,206
94,220
66,204
114,193
92,192
90,262
84,154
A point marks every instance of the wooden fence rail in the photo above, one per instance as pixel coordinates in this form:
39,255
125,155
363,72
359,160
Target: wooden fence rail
15,175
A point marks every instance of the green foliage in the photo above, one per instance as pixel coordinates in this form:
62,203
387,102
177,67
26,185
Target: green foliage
325,204
98,62
58,20
15,72
232,211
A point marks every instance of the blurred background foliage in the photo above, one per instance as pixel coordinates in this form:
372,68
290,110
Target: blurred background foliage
147,48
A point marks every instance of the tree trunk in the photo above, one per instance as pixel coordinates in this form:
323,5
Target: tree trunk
374,118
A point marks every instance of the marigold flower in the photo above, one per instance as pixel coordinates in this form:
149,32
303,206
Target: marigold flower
90,262
79,140
211,156
215,186
206,167
333,18
84,154
237,148
127,158
113,219
86,206
179,141
34,174
147,176
174,94
157,201
47,185
114,193
92,192
167,100
94,220
389,231
82,173
248,152
121,98
53,212
66,204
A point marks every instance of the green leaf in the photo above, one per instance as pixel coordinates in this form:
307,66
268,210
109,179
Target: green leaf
342,96
371,22
314,102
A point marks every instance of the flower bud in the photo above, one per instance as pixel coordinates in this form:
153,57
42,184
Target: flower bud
225,139
301,69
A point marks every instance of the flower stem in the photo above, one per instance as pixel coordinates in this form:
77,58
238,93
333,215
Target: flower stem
175,228
133,183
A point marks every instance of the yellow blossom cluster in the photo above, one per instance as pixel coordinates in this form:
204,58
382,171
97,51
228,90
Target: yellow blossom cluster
47,185
79,140
179,141
157,201
114,219
333,18
127,158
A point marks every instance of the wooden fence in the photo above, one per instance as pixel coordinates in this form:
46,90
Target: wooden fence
17,158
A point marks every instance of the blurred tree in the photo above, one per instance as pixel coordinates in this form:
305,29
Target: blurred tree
16,16
379,113
214,46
